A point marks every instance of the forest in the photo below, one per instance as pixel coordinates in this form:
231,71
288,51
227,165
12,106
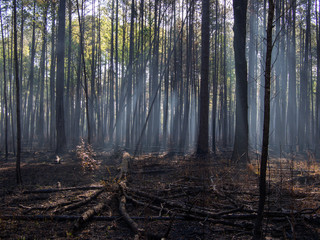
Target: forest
164,119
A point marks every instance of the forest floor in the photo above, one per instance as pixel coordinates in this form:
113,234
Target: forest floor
156,196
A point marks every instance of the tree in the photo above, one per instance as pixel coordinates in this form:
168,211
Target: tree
130,77
30,122
42,76
60,125
266,124
318,85
240,150
292,103
4,88
16,68
202,145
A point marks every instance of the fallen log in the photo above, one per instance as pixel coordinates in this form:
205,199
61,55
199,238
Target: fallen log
122,208
87,215
51,190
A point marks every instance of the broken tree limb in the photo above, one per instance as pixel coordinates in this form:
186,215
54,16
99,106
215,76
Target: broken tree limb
45,208
122,208
76,217
185,207
83,202
51,190
87,215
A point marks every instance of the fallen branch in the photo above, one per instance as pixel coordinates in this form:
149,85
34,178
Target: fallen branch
83,202
122,208
51,190
45,208
76,217
185,207
87,215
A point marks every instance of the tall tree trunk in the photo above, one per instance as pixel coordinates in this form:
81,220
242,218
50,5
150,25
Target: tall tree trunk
29,128
86,91
92,99
16,65
60,125
202,145
215,81
225,106
4,89
303,108
292,103
42,78
240,150
52,76
266,123
318,84
111,79
67,95
130,77
252,83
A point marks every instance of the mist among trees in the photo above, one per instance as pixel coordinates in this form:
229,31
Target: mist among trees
128,74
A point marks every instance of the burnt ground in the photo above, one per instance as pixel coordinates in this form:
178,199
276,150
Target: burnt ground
180,197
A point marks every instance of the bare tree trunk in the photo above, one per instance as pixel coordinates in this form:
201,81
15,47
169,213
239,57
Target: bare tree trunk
203,137
67,95
4,88
240,150
60,124
92,99
130,77
318,84
266,123
215,82
52,76
42,78
111,79
84,72
303,108
16,64
292,103
29,125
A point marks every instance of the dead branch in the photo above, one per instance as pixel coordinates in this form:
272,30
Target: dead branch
84,201
183,206
45,208
122,208
51,190
76,217
87,215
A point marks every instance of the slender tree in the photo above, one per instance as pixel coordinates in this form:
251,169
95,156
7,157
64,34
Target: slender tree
4,87
16,68
266,124
29,116
42,76
52,74
130,77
